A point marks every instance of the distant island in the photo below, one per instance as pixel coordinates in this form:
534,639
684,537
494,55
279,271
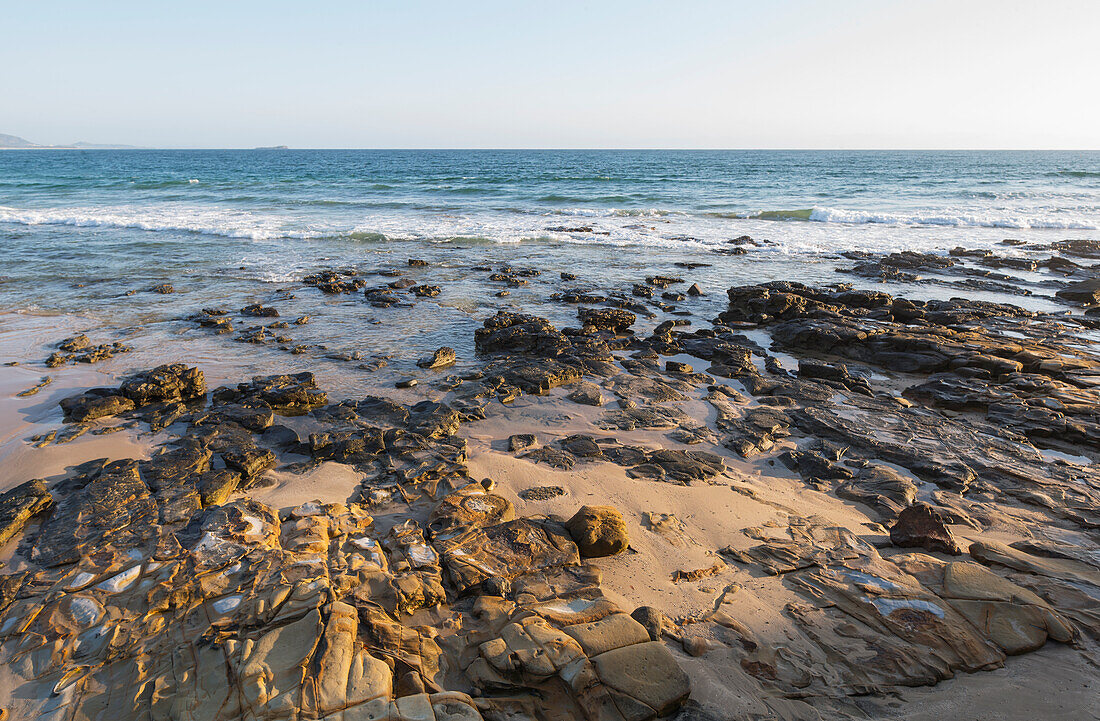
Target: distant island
272,147
14,142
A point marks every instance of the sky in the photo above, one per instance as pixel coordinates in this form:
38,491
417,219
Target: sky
554,74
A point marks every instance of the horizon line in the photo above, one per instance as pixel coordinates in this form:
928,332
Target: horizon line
559,149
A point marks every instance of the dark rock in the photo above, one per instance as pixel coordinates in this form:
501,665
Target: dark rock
175,382
285,394
1086,292
259,311
541,493
216,486
20,505
250,461
441,358
425,291
93,404
521,442
920,526
552,457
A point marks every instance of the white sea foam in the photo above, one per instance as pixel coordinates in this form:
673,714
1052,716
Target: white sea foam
819,229
978,220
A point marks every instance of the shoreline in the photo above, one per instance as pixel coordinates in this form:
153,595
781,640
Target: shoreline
757,490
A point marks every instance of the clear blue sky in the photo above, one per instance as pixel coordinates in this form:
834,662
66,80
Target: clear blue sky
674,73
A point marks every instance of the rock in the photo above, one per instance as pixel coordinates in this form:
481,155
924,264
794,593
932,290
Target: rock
505,551
20,505
662,281
285,394
1086,292
919,525
471,506
607,634
677,367
93,404
646,672
425,291
250,461
521,442
541,493
163,289
567,276
441,358
615,320
654,621
552,457
175,382
214,487
75,343
581,446
587,394
694,290
259,311
678,466
406,383
696,645
253,414
598,531
113,509
418,263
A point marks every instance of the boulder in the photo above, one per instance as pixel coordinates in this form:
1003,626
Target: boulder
615,320
441,358
598,531
175,382
920,525
587,394
1085,292
93,404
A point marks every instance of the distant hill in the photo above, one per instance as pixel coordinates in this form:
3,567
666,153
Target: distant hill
14,141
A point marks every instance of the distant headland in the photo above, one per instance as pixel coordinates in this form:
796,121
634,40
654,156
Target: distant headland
14,142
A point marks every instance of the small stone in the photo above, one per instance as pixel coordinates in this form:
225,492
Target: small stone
677,367
696,646
163,289
541,493
694,290
406,383
521,442
259,311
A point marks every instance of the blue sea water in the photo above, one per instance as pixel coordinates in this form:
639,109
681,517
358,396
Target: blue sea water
521,195
82,231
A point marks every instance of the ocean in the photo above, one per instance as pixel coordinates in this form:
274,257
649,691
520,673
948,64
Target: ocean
82,231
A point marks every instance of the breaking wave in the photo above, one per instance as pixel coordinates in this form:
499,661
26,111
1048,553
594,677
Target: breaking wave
931,218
